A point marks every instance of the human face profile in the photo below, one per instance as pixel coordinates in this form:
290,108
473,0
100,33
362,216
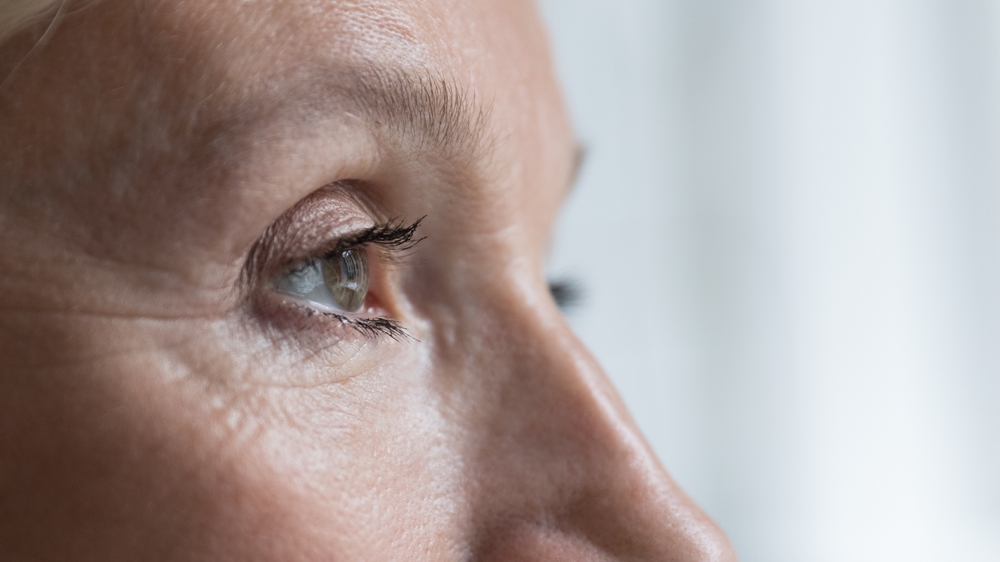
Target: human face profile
273,290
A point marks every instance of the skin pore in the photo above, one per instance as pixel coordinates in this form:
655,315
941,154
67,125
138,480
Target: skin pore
167,163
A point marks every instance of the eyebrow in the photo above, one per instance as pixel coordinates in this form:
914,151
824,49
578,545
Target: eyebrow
434,112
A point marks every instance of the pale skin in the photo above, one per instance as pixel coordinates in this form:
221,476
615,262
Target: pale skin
165,161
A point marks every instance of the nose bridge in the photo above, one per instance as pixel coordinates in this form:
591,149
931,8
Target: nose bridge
562,464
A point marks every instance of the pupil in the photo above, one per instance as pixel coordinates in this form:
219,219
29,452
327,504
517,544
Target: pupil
349,271
347,280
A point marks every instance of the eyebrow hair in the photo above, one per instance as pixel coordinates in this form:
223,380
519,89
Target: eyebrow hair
433,111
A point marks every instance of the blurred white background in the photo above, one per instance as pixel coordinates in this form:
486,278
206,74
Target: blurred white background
788,229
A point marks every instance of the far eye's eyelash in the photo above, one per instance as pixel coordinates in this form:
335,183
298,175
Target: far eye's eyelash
568,293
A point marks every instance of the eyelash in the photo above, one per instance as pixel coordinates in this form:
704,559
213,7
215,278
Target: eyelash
568,293
395,237
392,236
368,327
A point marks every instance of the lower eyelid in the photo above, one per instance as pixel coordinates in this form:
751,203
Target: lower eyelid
367,325
298,315
295,320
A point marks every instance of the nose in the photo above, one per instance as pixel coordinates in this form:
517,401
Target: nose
560,471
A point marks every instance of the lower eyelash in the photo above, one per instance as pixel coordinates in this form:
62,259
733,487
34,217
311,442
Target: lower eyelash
369,327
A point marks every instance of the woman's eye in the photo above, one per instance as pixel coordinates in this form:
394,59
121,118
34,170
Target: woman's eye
337,282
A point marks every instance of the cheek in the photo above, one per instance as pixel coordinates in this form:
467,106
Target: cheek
109,462
373,461
356,459
142,455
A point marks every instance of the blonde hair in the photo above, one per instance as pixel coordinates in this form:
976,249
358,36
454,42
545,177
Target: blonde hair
15,15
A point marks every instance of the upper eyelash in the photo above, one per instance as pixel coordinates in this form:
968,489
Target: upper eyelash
392,235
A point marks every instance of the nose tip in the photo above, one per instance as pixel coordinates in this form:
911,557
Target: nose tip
633,509
540,544
574,477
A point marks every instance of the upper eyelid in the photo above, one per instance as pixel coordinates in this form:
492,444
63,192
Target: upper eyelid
394,236
391,235
309,231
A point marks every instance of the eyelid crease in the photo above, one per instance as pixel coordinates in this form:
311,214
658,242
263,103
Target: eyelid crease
285,243
295,237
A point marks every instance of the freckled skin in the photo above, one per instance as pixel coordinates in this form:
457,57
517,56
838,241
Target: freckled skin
151,408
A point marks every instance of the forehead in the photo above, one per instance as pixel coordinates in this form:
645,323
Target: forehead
473,70
173,87
218,54
494,51
279,35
